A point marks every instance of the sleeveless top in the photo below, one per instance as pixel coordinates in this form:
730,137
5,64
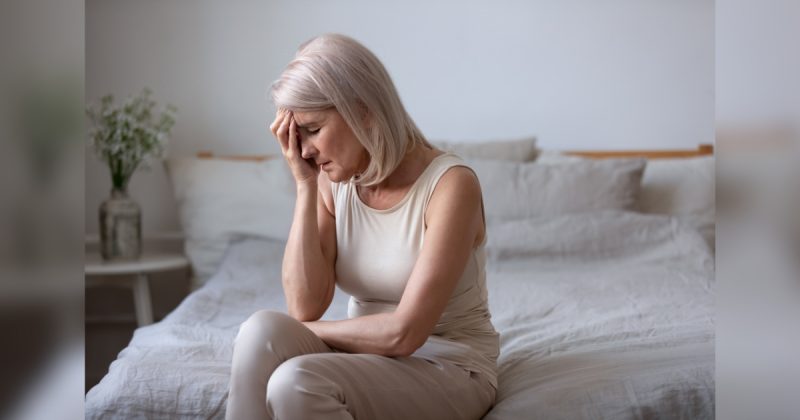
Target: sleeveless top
376,252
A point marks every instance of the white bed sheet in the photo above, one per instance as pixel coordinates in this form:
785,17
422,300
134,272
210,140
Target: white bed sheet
585,337
603,315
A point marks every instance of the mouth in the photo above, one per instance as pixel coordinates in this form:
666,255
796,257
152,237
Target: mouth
322,165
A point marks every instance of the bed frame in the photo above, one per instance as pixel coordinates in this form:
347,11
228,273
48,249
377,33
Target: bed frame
702,150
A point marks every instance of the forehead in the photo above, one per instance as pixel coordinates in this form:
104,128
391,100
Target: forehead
309,117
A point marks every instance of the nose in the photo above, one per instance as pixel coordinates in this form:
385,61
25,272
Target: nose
307,150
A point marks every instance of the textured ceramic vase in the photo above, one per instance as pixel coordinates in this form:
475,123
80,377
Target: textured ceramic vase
120,227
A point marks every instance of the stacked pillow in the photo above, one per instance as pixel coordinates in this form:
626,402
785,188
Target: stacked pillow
513,191
678,187
520,181
683,188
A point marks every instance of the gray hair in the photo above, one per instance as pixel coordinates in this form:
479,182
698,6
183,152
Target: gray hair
334,70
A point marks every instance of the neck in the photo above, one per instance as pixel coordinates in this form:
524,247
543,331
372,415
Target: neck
409,169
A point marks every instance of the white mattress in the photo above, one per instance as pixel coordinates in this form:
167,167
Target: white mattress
602,315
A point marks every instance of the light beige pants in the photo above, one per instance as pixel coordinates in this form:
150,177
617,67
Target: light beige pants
282,370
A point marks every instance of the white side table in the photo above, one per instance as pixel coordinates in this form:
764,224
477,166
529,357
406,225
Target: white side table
134,275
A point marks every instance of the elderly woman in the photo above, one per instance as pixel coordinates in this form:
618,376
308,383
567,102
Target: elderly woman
395,223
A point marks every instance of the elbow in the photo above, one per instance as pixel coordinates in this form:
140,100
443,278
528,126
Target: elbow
303,317
308,305
404,351
302,314
405,342
304,310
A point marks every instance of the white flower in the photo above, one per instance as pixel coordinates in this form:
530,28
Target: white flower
124,136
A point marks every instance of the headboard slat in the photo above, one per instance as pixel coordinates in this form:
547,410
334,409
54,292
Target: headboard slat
207,154
702,150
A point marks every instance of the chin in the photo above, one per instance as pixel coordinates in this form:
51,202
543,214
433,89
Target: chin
333,177
337,176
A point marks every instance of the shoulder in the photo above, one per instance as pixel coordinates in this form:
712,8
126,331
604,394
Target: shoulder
458,188
458,178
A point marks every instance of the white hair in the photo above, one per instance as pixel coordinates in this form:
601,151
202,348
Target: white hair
336,71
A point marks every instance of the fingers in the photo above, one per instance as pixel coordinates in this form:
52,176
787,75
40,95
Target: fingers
285,130
287,135
293,143
275,128
282,132
278,119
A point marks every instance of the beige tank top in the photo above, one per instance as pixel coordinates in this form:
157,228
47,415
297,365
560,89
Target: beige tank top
376,252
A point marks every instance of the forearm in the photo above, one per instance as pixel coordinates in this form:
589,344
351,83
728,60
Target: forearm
382,334
307,279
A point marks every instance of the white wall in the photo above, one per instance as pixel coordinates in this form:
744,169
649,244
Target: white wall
577,74
757,63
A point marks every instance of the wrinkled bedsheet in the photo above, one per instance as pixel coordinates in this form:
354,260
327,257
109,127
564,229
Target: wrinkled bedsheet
601,315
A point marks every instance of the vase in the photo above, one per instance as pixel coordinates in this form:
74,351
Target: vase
120,227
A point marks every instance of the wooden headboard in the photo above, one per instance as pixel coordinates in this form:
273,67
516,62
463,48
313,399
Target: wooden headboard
702,150
206,154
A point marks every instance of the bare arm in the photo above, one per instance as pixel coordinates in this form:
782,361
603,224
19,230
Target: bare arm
454,224
308,262
308,277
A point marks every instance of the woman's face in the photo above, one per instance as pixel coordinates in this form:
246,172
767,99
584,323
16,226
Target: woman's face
326,139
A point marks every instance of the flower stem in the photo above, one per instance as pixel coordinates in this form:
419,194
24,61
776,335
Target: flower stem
118,178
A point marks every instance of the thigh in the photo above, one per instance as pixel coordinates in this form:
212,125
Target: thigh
380,387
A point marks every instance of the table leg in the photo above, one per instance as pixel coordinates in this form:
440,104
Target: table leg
141,299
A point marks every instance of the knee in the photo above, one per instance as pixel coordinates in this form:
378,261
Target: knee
298,379
267,318
288,377
282,384
264,326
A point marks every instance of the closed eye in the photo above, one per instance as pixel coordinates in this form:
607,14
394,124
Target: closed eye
314,131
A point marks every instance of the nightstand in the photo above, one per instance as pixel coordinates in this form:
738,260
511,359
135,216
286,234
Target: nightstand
134,275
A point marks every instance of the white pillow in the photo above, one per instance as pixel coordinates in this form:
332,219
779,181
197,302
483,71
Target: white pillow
614,236
513,191
683,188
678,186
521,150
220,200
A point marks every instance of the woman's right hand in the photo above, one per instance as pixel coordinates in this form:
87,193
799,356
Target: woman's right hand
285,130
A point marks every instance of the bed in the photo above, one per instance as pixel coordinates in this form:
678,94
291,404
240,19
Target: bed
603,295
